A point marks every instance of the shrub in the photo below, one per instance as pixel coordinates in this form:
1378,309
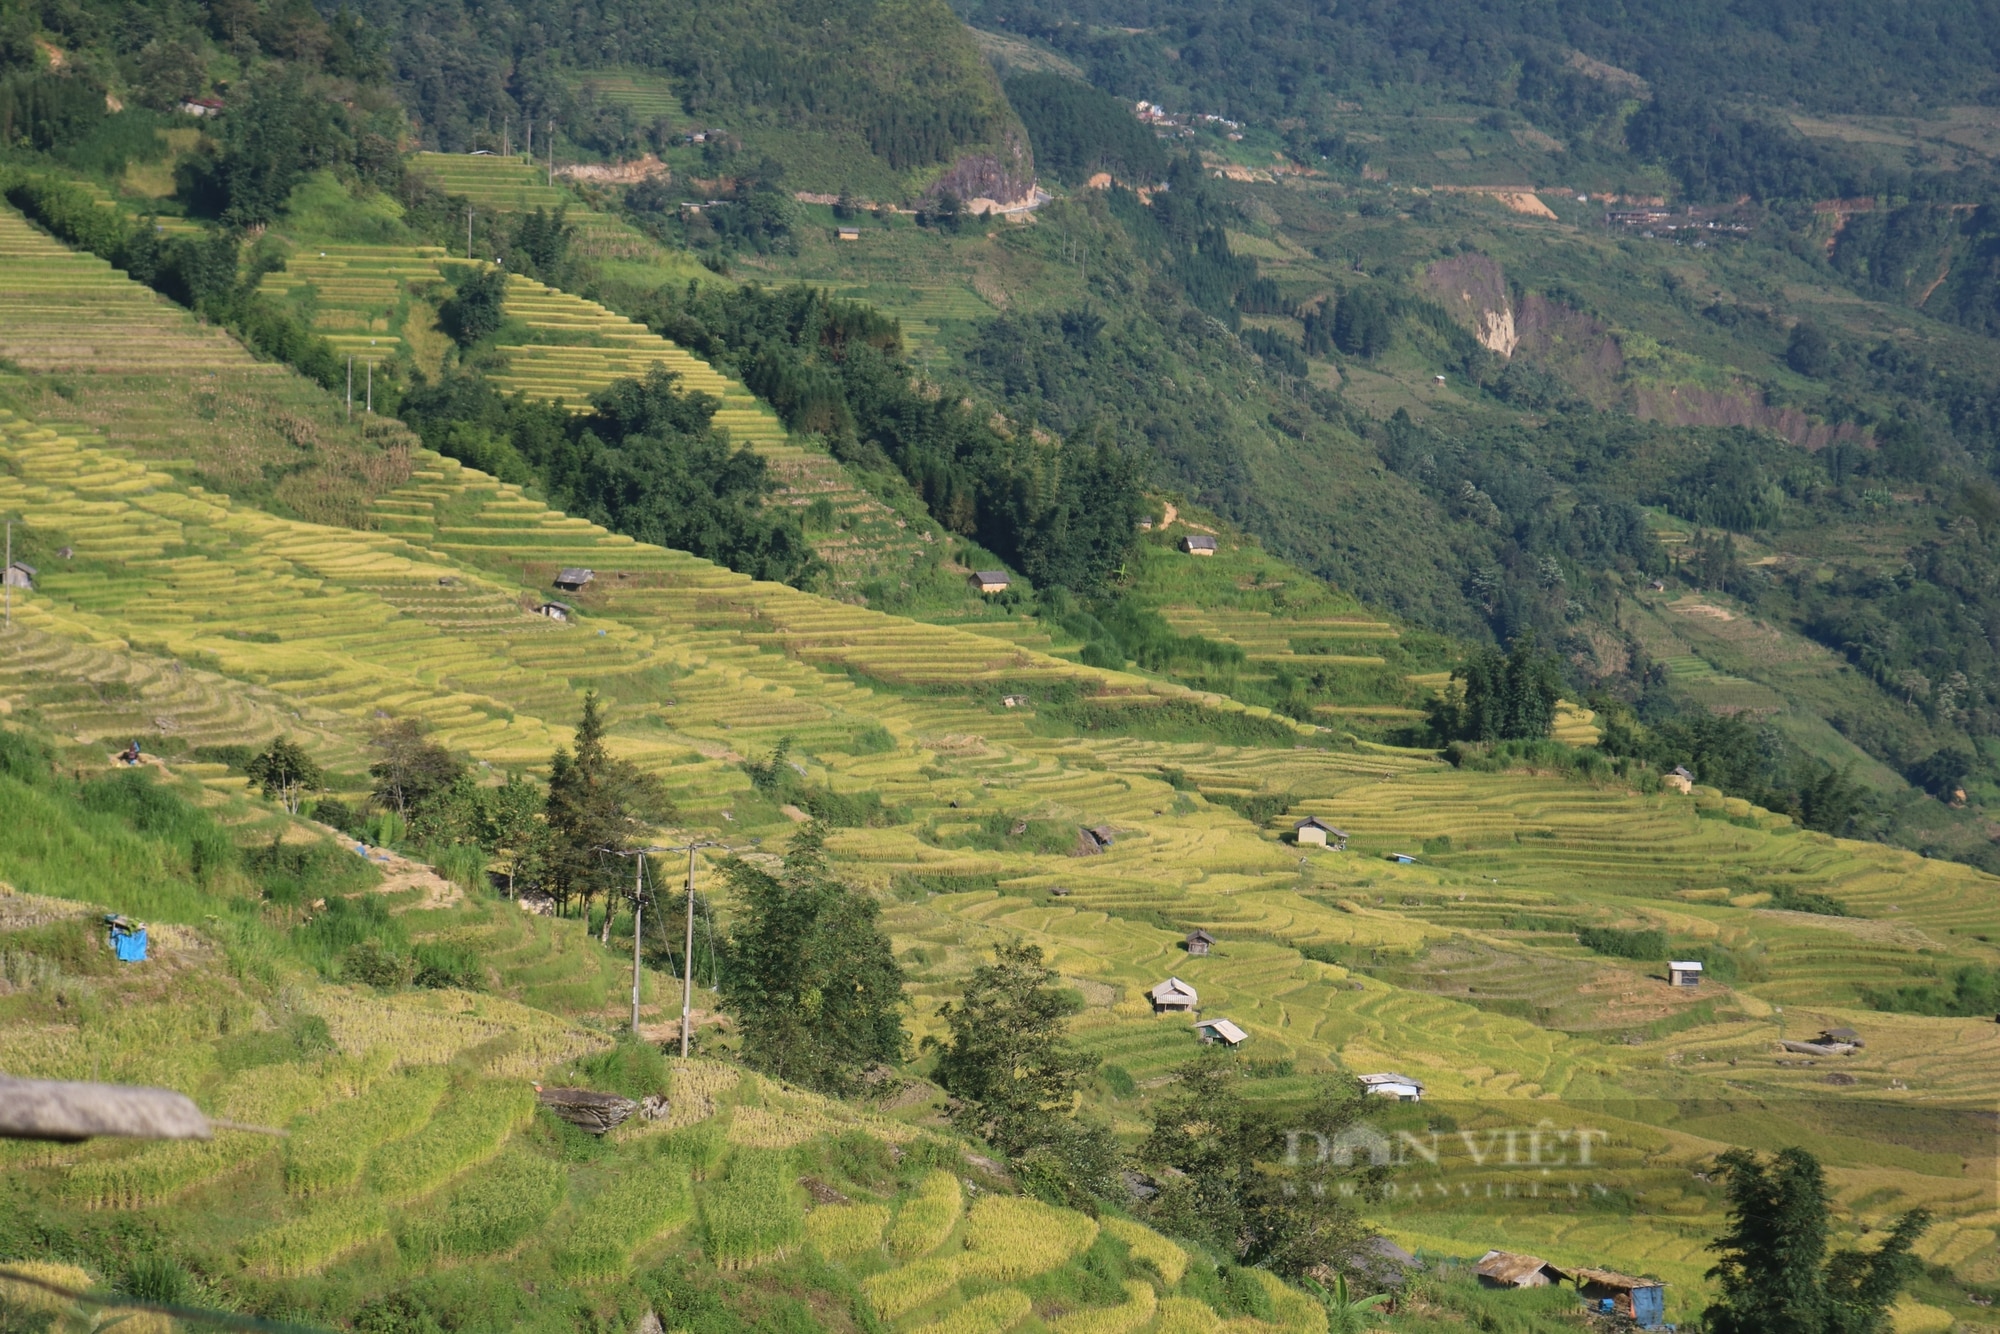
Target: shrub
753,1213
305,1244
488,1211
927,1217
1623,944
990,1313
470,1127
900,1291
1150,1247
642,1203
328,1151
1009,1238
633,1069
447,963
843,1231
1134,1312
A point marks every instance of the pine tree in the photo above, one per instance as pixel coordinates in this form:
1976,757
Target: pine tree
597,805
1775,1275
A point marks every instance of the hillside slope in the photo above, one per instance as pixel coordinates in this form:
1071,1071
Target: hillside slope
709,666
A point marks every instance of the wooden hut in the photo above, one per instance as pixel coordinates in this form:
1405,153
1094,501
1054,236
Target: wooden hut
1198,942
19,575
988,581
556,611
1679,779
1317,833
573,578
1505,1269
1173,996
1684,973
1198,544
1220,1030
1390,1085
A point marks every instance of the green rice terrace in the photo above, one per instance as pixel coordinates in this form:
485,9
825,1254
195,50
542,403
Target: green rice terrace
994,789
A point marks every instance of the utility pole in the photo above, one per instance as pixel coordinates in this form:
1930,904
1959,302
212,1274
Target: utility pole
350,386
531,141
468,233
551,136
687,971
371,388
638,907
7,578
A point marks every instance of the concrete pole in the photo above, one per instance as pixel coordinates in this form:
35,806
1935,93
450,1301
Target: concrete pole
350,387
638,907
7,578
687,971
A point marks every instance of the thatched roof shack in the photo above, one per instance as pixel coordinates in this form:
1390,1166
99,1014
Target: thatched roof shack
1505,1269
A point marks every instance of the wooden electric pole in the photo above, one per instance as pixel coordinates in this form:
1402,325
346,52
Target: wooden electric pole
687,971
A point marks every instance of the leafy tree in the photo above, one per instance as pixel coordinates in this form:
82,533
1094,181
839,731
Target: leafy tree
478,307
811,976
648,461
285,773
1296,1221
597,805
1008,1062
1810,351
1499,697
511,825
410,770
1775,1274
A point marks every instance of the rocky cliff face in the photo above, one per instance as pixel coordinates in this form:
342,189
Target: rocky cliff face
1585,353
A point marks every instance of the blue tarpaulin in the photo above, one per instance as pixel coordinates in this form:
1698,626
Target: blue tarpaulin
128,939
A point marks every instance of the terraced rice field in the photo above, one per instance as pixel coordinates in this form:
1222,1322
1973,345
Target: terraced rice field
358,292
67,311
282,625
504,184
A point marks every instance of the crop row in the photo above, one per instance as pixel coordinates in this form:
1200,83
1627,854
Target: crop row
753,1213
487,1212
643,1202
470,1127
327,1152
927,1217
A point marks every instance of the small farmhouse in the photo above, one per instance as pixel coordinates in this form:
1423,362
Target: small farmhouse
1387,1085
1847,1035
200,106
1684,973
1504,1269
557,611
1643,1301
848,233
988,581
1679,779
573,579
1173,996
1198,942
1315,832
1198,544
1220,1030
1013,701
19,575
